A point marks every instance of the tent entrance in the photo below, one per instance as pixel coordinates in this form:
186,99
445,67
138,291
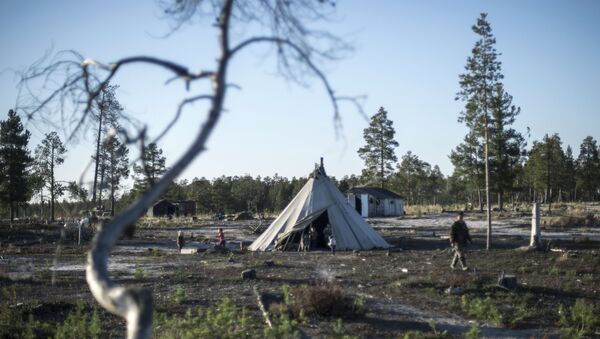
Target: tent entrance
311,232
318,238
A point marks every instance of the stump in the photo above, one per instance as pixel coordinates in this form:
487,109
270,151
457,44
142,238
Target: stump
508,281
249,274
269,263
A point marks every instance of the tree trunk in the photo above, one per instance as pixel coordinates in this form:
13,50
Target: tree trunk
550,201
487,188
97,156
480,201
112,200
112,184
100,188
381,169
52,184
501,201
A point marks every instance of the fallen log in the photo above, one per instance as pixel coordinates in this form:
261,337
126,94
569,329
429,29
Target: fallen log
262,308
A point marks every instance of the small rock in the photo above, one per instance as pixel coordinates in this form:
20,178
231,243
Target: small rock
249,274
269,263
356,252
404,270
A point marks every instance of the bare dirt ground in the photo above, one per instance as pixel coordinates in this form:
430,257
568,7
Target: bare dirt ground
403,290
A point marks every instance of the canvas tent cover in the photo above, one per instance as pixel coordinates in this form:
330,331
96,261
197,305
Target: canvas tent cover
320,195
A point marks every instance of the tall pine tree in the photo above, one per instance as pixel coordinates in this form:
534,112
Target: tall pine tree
152,168
48,155
588,168
487,107
378,152
108,111
15,161
114,168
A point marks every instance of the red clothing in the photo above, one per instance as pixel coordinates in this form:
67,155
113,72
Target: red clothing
221,236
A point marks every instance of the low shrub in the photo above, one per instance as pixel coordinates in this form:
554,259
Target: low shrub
579,320
80,324
482,309
179,295
226,321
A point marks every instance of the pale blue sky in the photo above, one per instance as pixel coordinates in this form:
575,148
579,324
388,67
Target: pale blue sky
407,58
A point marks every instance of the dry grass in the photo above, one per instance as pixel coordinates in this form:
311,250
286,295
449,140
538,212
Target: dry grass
588,220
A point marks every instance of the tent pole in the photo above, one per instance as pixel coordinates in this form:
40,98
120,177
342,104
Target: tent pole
286,243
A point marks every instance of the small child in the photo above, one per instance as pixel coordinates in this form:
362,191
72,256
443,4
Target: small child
332,244
221,237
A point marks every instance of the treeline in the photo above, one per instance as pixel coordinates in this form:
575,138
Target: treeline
230,194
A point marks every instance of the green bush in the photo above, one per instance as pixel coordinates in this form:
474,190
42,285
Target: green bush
12,319
473,332
579,320
226,321
80,324
179,295
482,309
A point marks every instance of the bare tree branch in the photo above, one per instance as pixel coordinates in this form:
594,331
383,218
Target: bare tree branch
135,305
178,114
297,51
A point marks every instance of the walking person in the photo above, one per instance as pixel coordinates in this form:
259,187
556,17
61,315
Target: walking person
332,244
459,238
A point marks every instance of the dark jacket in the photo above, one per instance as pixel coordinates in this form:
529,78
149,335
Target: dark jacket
459,233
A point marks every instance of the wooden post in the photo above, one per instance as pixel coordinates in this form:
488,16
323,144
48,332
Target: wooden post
536,240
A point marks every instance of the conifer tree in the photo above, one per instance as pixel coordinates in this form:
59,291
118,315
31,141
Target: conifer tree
477,89
506,144
48,155
15,161
588,168
378,152
107,115
115,166
152,168
569,176
545,166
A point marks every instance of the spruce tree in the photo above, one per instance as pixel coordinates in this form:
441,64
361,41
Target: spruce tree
48,155
15,161
378,152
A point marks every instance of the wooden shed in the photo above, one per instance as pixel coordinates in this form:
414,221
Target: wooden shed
375,202
185,208
162,208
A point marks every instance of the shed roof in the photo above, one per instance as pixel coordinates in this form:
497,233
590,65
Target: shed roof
379,193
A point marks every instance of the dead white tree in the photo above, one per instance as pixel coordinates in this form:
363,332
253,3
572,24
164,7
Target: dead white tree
299,51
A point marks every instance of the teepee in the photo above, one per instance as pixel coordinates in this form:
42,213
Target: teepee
320,205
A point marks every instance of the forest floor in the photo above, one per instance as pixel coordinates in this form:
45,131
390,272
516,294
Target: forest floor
410,290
